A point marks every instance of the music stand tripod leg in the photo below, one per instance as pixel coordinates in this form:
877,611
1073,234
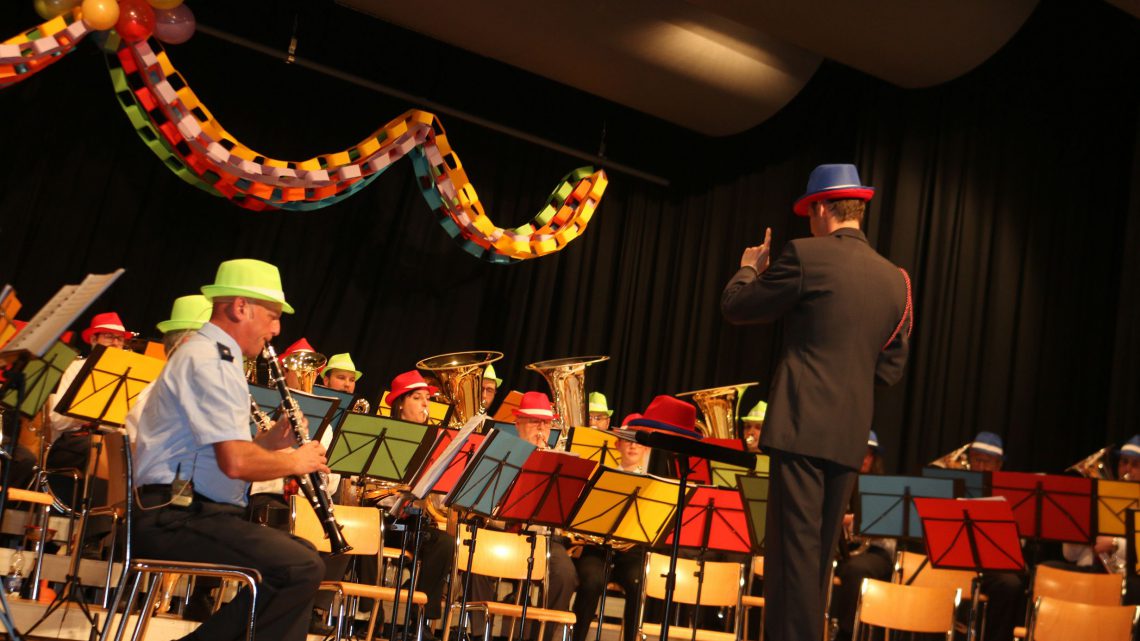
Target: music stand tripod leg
473,526
674,552
605,582
975,596
418,516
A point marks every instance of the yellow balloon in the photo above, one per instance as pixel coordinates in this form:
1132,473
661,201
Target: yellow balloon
164,4
100,15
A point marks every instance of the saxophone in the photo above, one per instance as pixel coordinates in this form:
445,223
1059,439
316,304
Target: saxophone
313,485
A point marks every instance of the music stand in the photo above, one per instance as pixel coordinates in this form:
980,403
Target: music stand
509,428
978,535
754,496
1132,532
975,484
506,411
1113,500
318,409
106,387
1049,507
544,493
595,445
725,474
40,377
449,455
9,307
379,447
885,505
483,484
342,408
699,471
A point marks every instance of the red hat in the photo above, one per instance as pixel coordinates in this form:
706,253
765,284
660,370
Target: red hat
106,323
668,414
625,421
301,345
535,405
407,382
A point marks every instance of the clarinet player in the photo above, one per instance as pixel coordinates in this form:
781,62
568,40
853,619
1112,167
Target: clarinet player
196,459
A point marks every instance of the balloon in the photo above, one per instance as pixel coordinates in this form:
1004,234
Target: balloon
136,20
174,26
164,4
49,9
100,15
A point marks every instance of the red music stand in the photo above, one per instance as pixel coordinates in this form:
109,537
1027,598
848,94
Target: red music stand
1049,507
699,471
713,519
978,535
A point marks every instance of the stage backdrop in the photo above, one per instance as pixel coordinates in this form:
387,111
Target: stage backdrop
1009,194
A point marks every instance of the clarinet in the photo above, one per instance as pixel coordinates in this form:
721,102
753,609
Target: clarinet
313,485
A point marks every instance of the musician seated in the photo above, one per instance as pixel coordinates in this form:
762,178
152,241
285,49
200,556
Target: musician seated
195,429
1110,553
491,386
628,565
753,425
986,453
340,373
600,411
876,561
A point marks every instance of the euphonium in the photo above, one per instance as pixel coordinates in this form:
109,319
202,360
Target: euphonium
566,378
720,407
956,460
314,486
305,365
361,406
461,374
1093,466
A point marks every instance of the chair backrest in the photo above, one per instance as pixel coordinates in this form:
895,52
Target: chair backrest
1079,587
758,566
361,526
930,577
907,607
1059,620
722,585
502,554
116,453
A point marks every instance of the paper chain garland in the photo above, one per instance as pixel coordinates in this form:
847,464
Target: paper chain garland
177,127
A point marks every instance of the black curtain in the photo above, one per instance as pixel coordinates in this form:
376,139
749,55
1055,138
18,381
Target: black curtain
1009,194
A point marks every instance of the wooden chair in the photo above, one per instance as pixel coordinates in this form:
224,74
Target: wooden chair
911,571
43,502
722,586
1055,619
504,555
1077,587
906,608
748,601
364,531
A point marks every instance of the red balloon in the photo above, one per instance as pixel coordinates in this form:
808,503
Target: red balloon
136,20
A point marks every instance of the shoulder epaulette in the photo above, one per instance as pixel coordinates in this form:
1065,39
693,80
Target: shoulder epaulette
225,353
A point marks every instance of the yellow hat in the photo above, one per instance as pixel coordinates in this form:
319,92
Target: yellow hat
756,414
341,361
598,404
489,374
248,278
188,312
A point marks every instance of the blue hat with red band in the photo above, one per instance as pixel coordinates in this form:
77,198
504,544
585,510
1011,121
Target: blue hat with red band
832,182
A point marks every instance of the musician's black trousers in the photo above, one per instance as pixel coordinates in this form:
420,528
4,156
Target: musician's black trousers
290,568
629,566
875,563
807,497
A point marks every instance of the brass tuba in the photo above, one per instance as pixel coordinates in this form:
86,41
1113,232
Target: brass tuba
305,365
956,460
1093,466
566,378
720,407
461,374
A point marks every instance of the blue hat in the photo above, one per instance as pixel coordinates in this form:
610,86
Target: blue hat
1131,449
832,182
989,443
873,441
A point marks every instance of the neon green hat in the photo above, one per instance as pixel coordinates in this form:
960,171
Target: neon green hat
598,404
756,414
489,373
341,361
188,312
249,278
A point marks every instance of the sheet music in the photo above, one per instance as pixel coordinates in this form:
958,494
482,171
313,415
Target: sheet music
59,313
432,475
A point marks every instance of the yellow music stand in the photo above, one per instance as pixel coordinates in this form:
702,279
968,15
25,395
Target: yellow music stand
107,386
595,445
624,506
1113,499
724,474
9,306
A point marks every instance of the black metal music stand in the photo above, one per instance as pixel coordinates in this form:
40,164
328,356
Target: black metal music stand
977,535
975,484
686,447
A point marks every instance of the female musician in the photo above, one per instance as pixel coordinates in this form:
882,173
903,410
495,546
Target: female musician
410,397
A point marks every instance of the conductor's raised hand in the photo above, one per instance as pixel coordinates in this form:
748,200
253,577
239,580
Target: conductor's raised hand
757,257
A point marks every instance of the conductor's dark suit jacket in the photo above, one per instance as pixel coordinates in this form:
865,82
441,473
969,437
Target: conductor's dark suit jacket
840,302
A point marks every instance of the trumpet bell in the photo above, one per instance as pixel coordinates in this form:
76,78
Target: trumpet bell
1093,466
566,378
720,407
955,460
461,374
305,365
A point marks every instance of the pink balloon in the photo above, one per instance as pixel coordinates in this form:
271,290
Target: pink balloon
174,26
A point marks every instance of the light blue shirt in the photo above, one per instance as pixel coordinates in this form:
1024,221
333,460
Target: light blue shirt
201,398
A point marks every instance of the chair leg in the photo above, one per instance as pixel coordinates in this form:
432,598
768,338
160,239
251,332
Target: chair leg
148,607
372,619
